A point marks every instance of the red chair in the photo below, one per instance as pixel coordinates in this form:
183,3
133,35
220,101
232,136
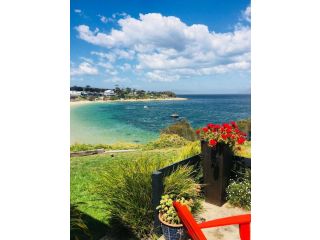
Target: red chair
194,229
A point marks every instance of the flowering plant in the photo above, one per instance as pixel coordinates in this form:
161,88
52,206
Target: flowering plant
167,211
227,133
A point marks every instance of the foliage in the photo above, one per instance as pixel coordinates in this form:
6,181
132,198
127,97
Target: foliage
239,192
126,93
77,225
86,176
225,133
189,150
166,141
167,210
244,125
126,188
182,186
181,128
244,150
117,146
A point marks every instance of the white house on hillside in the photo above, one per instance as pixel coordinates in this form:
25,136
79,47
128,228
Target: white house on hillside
109,93
75,93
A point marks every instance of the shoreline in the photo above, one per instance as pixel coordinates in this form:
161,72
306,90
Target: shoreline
81,102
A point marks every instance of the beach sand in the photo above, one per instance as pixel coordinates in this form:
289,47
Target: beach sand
126,100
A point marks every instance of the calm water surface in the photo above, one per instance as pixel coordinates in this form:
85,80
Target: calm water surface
132,122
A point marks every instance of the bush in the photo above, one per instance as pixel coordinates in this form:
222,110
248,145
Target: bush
181,128
166,141
189,150
244,125
127,189
239,192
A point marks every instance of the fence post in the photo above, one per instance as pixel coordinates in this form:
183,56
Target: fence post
157,191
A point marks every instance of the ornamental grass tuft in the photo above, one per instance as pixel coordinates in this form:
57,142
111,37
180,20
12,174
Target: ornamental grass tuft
126,188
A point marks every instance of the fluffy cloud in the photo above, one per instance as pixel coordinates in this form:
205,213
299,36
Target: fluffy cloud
77,11
247,14
84,68
159,43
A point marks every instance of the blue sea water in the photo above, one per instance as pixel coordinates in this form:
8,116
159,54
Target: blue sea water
132,122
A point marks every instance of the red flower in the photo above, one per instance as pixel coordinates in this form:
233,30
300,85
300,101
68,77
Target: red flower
241,140
198,131
210,125
226,125
212,142
224,136
234,124
205,129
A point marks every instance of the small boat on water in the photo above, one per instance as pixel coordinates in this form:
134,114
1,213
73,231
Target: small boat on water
145,107
174,115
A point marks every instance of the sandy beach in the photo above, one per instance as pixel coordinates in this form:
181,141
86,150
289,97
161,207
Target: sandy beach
126,100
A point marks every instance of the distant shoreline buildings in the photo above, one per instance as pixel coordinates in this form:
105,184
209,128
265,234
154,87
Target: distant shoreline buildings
91,94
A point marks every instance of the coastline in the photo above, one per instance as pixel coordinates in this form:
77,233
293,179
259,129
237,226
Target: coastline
81,102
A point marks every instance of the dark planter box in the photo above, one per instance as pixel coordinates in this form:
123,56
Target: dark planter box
216,164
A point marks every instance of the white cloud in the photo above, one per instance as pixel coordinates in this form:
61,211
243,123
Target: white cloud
115,54
162,76
164,43
103,19
77,11
247,14
84,68
116,79
89,60
106,65
125,67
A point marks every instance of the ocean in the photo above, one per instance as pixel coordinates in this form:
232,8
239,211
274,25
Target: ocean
140,122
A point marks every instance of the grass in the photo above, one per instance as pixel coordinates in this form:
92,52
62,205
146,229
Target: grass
86,175
117,146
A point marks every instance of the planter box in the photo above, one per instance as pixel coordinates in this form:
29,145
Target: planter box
216,164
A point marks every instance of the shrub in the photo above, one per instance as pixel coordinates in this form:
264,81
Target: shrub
184,183
126,188
239,192
181,128
244,125
166,141
191,149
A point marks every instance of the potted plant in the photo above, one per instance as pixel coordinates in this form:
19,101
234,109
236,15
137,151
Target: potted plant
217,145
170,223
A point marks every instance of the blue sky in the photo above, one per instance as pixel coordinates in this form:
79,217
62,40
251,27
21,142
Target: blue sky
183,46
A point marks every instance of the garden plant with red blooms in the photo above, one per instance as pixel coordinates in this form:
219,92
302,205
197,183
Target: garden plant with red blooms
227,133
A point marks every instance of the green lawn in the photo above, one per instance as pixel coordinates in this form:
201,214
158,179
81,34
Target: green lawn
85,175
